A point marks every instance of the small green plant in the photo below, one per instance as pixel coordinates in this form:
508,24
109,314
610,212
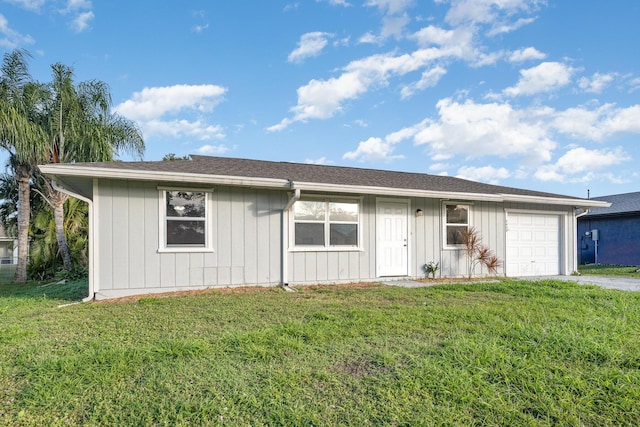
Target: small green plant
431,268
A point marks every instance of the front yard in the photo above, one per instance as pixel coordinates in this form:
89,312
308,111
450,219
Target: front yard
506,353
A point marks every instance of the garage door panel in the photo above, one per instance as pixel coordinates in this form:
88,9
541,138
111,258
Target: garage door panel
540,236
533,244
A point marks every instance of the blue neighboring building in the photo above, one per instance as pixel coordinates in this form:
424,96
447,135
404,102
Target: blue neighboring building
613,232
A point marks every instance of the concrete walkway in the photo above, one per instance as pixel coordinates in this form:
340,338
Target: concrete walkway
621,283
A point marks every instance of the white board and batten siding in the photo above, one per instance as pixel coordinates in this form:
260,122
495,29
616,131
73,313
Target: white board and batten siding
247,245
338,266
246,241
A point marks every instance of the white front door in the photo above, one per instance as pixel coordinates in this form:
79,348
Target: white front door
392,239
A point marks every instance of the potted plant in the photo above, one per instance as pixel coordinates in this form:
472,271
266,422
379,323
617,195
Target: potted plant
432,267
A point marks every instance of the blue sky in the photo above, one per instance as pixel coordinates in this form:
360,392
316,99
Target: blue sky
525,93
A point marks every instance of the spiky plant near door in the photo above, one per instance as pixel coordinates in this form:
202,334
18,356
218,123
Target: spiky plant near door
478,254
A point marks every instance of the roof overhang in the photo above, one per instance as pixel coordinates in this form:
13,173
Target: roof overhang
70,170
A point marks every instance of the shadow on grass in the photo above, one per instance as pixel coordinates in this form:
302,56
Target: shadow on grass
69,291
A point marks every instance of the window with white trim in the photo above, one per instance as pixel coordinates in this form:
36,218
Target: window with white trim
184,216
456,224
326,223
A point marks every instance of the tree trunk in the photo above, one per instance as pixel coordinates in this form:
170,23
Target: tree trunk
24,215
57,201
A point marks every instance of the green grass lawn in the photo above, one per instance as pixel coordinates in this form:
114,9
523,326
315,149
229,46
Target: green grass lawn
506,353
609,270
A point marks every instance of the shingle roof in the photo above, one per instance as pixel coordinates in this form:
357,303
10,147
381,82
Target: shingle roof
322,174
620,204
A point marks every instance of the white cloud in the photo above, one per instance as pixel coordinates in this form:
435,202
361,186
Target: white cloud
368,38
487,174
634,84
526,54
394,21
596,83
381,150
75,5
151,106
439,167
322,99
486,11
81,12
595,124
477,130
82,22
581,164
456,43
507,27
291,6
430,78
12,39
336,2
406,133
319,161
200,28
154,102
373,150
27,4
390,7
393,26
310,45
183,128
213,149
545,77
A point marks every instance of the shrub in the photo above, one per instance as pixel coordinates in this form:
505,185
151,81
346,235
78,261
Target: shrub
478,254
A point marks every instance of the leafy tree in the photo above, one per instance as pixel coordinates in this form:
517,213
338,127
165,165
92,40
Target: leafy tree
171,156
23,136
82,128
45,256
58,122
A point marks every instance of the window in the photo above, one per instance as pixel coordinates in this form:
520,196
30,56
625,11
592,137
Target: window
184,220
456,224
326,223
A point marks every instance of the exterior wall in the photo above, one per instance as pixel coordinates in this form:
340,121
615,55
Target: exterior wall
7,246
619,240
6,252
425,245
343,265
247,242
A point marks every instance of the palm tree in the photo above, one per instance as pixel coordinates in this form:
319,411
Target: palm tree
44,253
23,136
82,128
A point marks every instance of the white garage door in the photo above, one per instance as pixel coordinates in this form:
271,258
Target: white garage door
533,243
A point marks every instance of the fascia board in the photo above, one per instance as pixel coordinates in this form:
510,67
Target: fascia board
89,172
389,191
579,203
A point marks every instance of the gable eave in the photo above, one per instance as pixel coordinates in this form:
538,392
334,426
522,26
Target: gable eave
137,175
286,184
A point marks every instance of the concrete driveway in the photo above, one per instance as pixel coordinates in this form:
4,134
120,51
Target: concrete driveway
621,283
